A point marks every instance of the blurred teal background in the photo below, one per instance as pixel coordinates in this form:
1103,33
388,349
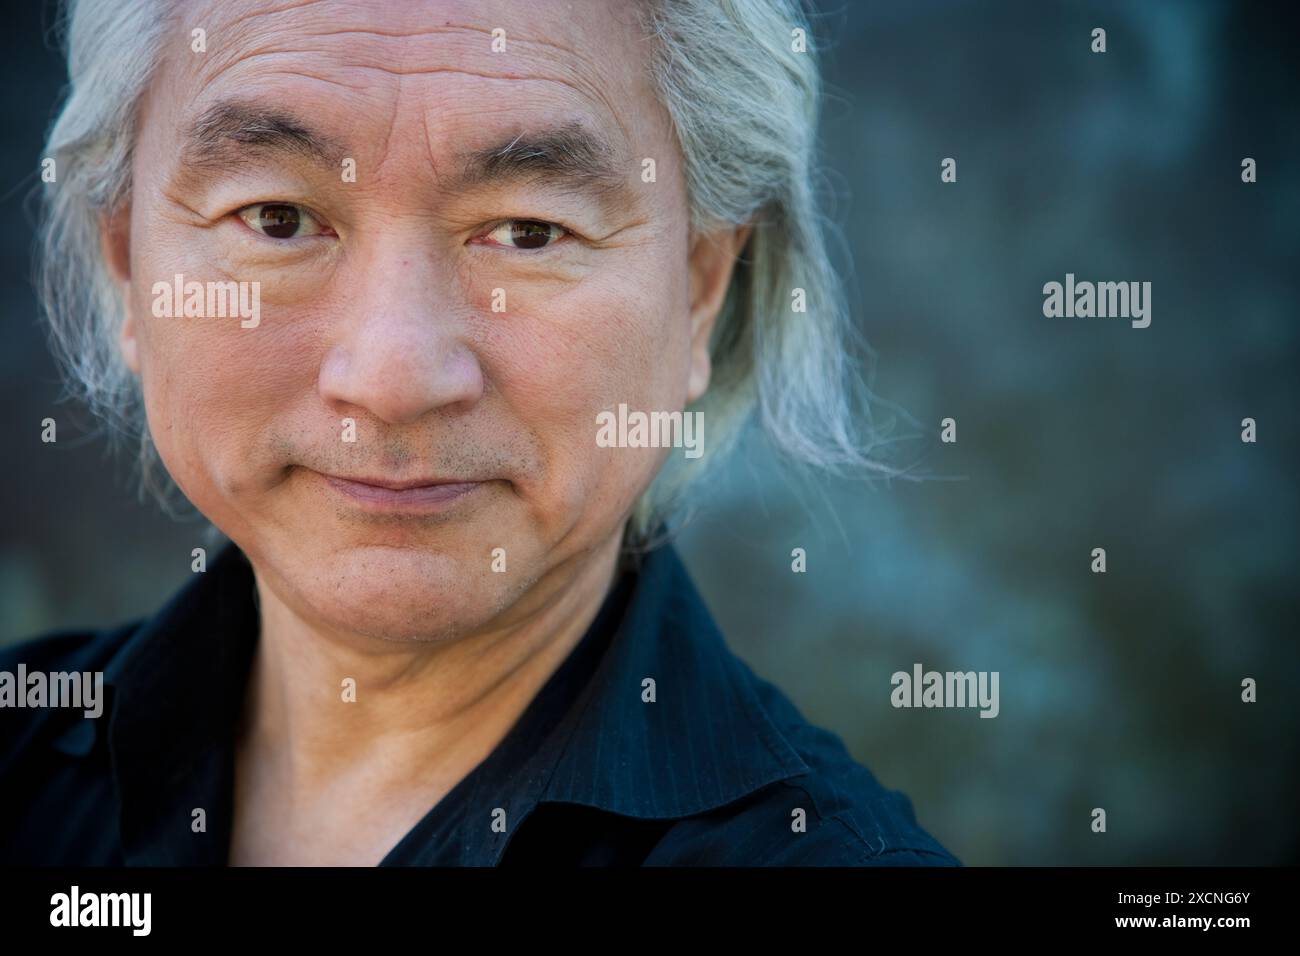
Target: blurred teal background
1120,690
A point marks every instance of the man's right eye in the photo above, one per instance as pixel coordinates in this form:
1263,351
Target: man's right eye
282,220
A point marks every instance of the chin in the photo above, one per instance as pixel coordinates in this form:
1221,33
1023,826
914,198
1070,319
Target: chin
400,593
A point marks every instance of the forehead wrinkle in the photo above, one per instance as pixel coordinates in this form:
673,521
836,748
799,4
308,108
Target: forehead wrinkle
595,90
399,73
587,78
284,9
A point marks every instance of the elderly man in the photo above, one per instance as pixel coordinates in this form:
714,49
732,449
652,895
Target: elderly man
371,281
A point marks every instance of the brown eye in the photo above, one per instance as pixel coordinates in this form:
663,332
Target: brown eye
281,220
527,233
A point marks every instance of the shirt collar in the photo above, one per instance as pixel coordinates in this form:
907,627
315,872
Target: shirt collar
704,740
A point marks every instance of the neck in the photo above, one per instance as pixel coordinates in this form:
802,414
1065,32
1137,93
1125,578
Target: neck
425,714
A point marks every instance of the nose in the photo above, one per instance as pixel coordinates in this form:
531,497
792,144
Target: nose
401,351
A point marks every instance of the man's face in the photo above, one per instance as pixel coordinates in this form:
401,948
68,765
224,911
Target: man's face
469,316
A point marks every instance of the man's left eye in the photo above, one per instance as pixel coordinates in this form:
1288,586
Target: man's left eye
527,234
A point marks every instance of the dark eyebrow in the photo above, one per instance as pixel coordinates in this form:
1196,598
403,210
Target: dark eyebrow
571,157
235,134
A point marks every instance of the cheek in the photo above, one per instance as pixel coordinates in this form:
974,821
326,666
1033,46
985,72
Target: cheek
213,388
561,359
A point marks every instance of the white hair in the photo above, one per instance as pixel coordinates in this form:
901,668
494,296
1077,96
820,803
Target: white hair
744,104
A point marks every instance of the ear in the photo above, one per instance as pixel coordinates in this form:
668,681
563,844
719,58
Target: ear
711,261
115,246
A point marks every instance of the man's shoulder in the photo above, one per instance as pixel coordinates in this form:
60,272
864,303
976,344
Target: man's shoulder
839,814
836,813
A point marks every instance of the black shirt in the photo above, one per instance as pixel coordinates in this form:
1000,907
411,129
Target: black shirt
720,768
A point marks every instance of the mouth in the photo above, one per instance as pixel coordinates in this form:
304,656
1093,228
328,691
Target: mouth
423,495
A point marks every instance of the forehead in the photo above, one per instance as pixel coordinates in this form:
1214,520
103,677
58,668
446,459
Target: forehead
363,64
